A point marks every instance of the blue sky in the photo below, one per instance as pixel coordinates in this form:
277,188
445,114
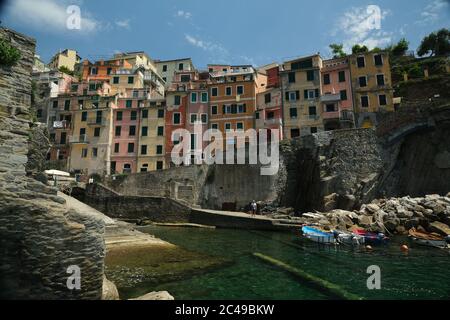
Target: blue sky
211,31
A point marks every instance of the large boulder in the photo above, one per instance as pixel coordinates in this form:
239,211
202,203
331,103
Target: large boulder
110,291
162,295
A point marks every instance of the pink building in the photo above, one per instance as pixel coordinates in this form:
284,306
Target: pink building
125,131
337,99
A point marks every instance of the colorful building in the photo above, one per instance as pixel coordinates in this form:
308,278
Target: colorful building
67,58
168,68
232,91
372,86
301,87
337,94
269,103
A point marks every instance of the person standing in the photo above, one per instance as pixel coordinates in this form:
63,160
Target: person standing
254,207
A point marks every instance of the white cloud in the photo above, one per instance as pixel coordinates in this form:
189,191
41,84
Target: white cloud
362,25
183,14
431,13
205,45
48,15
123,23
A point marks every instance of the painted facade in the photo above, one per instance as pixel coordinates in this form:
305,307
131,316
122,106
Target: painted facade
167,68
337,95
301,86
371,82
67,58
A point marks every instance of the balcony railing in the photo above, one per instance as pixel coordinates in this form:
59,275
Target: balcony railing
61,124
96,121
274,121
330,97
82,139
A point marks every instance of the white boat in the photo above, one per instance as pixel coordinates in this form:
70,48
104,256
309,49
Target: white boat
349,238
319,236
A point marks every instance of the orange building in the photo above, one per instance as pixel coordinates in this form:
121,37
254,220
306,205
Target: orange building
232,92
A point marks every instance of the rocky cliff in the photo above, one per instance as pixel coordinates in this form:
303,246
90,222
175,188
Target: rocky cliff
40,238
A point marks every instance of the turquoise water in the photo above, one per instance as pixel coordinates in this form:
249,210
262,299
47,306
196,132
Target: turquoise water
423,273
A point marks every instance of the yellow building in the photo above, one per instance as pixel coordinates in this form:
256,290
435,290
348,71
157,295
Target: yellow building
91,138
301,87
67,58
372,86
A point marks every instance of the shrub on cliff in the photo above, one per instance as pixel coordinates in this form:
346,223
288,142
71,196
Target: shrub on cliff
9,55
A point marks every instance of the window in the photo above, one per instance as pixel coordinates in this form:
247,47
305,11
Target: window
164,79
164,68
228,91
74,87
67,105
293,113
93,71
227,126
160,131
144,131
84,153
127,168
308,63
378,59
313,129
130,147
161,113
295,133
312,112
145,114
159,149
240,126
293,95
241,108
204,118
94,152
113,167
343,95
181,66
310,75
362,81
341,76
133,115
132,131
310,94
108,71
326,78
97,132
185,78
144,167
380,79
270,115
204,96
291,77
144,150
330,108
213,109
119,116
135,94
82,132
129,103
177,100
382,100
118,131
193,118
176,118
240,90
130,80
55,104
84,116
194,97
92,87
116,147
364,101
214,92
159,165
361,62
214,126
267,98
116,80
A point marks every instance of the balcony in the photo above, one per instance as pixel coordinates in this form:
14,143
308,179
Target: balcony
61,124
347,115
81,139
97,122
273,122
330,97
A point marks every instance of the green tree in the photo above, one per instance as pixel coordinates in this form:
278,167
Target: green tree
400,48
337,50
359,49
435,44
66,70
9,55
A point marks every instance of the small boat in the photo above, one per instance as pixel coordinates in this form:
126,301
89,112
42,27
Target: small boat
372,238
319,236
429,239
349,238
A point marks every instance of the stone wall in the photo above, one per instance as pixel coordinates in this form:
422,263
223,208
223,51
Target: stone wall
40,238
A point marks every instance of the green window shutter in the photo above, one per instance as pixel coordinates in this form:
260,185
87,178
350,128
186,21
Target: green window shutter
297,95
317,93
305,94
287,96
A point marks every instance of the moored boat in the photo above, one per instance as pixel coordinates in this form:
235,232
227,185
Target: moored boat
372,238
429,239
349,238
318,236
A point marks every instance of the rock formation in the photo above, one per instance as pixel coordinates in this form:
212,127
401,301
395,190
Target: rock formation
40,238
